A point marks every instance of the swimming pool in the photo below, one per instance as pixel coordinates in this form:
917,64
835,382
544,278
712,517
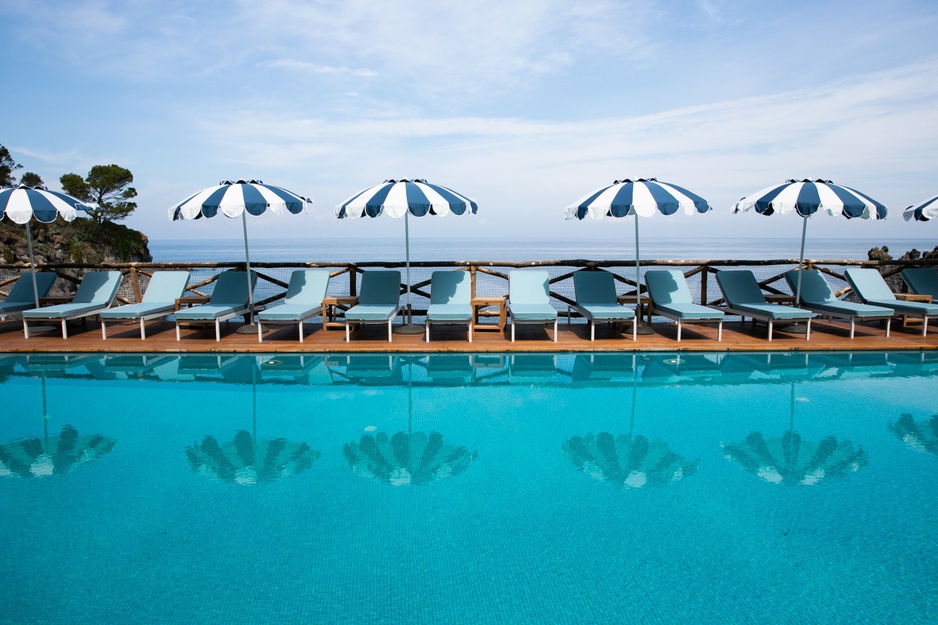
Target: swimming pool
455,488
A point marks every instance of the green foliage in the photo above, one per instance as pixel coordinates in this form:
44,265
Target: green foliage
7,167
31,179
106,185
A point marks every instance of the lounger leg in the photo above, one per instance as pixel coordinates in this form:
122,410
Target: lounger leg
470,330
853,323
592,330
888,323
555,330
390,331
64,330
299,329
635,328
678,330
260,333
25,328
217,330
770,328
807,334
347,332
143,329
426,334
103,331
512,332
924,325
177,330
720,331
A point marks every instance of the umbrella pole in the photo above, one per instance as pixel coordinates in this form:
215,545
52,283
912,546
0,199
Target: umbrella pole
640,327
804,231
409,327
247,261
32,264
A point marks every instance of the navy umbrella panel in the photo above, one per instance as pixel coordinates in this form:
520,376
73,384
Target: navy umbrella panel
238,199
807,197
924,211
641,197
403,198
22,204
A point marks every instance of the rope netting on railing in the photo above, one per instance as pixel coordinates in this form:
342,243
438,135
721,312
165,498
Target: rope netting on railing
488,278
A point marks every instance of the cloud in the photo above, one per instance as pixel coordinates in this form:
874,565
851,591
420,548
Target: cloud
316,68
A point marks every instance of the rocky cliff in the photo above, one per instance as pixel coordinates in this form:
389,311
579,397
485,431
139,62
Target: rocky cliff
81,241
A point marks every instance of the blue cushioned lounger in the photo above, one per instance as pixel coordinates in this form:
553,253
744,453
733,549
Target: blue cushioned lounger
95,294
159,301
21,296
529,300
922,281
450,300
303,301
744,298
870,287
670,298
817,296
379,301
230,298
596,300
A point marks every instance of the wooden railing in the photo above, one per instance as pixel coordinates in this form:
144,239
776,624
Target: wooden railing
487,277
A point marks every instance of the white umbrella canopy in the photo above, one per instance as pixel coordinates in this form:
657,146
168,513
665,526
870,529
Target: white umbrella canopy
923,211
22,204
238,199
403,198
807,197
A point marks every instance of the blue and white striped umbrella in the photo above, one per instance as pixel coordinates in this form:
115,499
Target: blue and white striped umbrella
237,199
22,204
807,197
641,197
924,211
402,198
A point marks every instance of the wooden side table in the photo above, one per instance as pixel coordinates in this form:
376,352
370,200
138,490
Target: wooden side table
642,305
478,303
780,298
190,300
911,297
330,306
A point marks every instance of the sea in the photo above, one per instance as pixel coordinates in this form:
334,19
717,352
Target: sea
493,249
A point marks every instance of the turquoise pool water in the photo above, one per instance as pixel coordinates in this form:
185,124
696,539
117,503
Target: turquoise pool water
660,488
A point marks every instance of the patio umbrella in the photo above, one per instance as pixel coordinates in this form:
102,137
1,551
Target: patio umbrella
792,461
806,197
403,198
245,459
642,197
924,211
51,455
407,458
237,199
628,460
22,204
919,435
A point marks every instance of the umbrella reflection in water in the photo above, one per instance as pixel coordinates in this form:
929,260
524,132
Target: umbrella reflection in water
793,461
629,460
921,435
51,455
407,458
247,460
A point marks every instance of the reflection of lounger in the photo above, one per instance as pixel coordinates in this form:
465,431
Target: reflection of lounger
159,301
596,300
671,298
869,285
303,301
450,300
744,298
230,298
21,296
817,296
95,294
379,301
529,300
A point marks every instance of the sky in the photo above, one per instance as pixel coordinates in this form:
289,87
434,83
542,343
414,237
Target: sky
525,106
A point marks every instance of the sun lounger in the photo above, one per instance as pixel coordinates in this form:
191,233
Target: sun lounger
817,296
529,300
450,300
670,298
95,294
744,298
21,296
922,281
159,301
303,301
870,287
229,299
379,301
596,300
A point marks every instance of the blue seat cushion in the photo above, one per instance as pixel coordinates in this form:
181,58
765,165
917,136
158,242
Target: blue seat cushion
915,308
773,311
135,311
61,310
371,312
689,311
532,312
208,312
289,312
605,311
850,308
449,312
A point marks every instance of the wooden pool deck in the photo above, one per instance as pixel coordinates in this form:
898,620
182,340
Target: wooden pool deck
737,337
